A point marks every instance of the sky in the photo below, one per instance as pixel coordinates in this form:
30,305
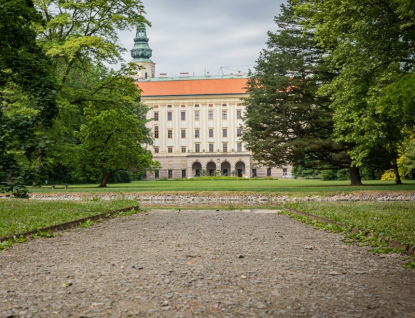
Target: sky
196,36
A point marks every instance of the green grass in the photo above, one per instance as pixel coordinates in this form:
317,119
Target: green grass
395,220
281,186
21,215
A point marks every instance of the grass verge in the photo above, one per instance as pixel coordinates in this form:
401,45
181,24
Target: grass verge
21,215
290,187
388,220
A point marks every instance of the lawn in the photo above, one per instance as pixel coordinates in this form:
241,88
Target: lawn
394,220
21,215
281,186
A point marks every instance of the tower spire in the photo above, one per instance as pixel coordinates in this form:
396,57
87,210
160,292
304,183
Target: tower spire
141,53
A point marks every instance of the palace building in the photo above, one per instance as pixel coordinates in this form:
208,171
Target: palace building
196,121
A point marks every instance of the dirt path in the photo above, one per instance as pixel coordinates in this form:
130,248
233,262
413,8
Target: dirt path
201,263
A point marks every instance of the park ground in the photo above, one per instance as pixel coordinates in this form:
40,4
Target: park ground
202,263
224,261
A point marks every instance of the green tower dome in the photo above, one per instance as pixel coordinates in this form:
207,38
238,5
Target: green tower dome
141,52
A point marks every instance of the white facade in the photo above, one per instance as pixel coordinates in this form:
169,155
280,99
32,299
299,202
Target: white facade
201,135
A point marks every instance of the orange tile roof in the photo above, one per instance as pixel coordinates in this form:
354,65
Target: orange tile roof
193,87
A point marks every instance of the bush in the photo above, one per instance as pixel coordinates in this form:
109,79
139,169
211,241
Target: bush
328,175
122,176
343,174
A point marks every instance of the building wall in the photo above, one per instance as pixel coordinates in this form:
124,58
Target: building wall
184,156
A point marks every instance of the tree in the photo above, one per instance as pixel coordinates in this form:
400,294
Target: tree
370,44
80,36
114,136
25,72
285,121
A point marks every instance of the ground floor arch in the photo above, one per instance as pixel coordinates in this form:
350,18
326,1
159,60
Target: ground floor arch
225,168
196,169
240,169
211,168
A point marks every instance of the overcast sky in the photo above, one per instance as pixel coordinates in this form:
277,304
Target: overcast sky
194,36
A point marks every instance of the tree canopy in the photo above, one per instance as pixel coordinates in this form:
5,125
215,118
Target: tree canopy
371,44
56,90
336,81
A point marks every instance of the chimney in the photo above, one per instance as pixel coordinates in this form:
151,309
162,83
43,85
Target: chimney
184,74
163,74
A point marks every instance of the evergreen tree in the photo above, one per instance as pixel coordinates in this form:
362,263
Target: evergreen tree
286,122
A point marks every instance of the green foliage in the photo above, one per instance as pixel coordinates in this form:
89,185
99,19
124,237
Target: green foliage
111,138
410,264
286,122
26,81
122,176
301,172
87,224
370,45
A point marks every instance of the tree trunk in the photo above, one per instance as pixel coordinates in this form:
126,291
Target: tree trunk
104,178
355,176
396,170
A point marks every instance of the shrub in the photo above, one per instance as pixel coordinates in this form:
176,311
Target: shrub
122,176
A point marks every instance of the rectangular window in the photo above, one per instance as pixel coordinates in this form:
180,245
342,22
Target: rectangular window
183,132
169,116
284,171
210,133
197,147
239,147
210,147
268,172
197,133
170,149
224,114
210,114
238,132
238,114
183,149
224,133
156,116
156,149
224,105
169,133
183,173
156,132
225,147
156,174
197,115
183,115
170,174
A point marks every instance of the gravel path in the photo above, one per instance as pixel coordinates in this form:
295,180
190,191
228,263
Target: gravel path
198,264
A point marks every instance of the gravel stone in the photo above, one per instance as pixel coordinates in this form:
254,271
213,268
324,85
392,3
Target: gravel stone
188,264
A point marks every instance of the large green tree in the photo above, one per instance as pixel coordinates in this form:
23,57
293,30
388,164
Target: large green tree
371,44
80,37
286,122
113,136
26,78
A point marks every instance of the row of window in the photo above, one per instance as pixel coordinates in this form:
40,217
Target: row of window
197,115
169,174
197,148
197,133
184,173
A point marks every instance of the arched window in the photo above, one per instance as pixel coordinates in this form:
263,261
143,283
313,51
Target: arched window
156,132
